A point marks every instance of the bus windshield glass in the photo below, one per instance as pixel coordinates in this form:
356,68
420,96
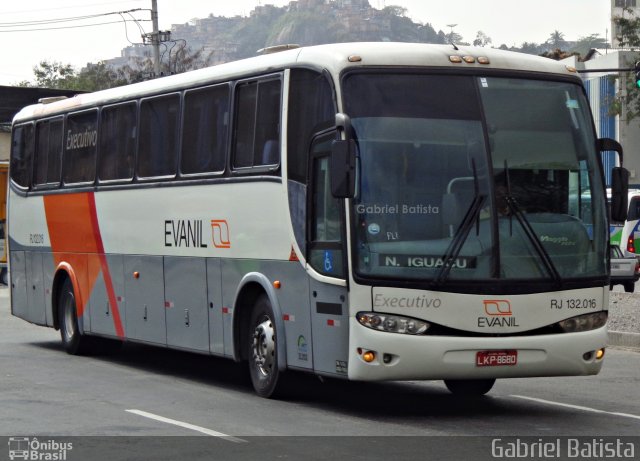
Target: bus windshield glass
467,178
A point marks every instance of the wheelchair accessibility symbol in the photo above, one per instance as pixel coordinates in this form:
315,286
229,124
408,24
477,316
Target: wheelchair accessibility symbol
328,261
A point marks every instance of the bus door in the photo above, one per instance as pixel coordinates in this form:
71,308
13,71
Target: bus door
327,256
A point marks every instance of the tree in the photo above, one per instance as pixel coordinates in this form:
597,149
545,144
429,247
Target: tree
556,40
53,74
627,99
530,48
482,39
627,30
584,44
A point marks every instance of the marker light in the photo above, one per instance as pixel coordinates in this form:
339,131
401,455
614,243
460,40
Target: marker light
584,322
369,356
455,59
392,323
483,60
354,58
469,59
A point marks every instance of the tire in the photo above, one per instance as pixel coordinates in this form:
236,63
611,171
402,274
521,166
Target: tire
263,349
629,287
4,276
74,342
469,387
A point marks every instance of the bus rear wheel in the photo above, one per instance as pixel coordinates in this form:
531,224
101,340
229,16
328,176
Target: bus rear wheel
263,349
469,387
73,340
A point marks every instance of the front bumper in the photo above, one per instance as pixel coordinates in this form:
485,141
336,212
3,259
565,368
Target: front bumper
450,357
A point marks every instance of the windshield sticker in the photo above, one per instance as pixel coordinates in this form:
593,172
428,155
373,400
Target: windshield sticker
395,260
573,104
484,83
374,229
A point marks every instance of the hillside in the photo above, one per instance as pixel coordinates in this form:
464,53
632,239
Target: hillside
304,22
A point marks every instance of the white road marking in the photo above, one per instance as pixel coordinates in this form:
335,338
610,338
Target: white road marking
193,427
576,407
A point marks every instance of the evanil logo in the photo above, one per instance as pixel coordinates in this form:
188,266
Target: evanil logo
499,314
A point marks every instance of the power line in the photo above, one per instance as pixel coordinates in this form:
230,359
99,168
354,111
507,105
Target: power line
69,27
75,7
63,20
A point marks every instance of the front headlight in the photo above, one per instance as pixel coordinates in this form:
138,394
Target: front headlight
584,322
392,323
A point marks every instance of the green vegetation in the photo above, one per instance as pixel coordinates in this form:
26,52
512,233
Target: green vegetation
308,22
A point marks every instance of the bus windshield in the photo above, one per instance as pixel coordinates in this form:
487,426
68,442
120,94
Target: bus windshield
474,178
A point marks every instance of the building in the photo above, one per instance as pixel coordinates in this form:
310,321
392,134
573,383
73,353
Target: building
605,80
622,8
12,99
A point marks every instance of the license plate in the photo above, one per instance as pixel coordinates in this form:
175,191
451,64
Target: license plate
496,358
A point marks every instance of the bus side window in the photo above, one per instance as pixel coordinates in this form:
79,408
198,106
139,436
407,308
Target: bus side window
257,124
21,155
158,140
205,130
48,152
81,140
117,142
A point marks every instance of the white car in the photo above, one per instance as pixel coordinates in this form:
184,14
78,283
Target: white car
625,271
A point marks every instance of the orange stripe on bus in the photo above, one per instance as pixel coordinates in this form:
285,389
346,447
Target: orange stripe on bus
76,241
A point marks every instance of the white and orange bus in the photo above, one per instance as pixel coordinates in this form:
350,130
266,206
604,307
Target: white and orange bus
371,211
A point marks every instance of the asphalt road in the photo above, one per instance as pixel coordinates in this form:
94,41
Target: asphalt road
128,405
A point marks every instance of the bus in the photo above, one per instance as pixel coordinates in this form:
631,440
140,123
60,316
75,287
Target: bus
4,183
626,234
366,211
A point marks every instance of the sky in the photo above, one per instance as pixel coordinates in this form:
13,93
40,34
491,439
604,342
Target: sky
78,42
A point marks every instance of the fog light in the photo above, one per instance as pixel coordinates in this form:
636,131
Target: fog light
587,356
369,356
599,354
386,358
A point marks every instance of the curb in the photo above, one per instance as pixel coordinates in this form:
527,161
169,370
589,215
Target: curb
624,339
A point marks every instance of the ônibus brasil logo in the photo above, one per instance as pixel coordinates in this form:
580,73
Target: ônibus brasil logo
30,448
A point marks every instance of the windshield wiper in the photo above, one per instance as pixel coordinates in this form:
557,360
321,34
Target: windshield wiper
528,230
455,247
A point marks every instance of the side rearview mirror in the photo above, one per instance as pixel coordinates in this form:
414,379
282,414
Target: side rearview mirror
619,194
619,181
342,168
608,144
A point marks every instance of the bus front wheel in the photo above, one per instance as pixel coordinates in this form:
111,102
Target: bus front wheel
73,340
469,387
263,349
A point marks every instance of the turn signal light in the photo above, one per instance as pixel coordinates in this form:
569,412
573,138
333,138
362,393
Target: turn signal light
369,356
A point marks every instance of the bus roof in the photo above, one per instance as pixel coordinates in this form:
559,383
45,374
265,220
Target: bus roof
332,57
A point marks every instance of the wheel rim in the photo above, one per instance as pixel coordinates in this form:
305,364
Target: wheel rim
69,317
264,346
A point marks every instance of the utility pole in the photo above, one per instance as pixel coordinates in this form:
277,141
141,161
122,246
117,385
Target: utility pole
155,38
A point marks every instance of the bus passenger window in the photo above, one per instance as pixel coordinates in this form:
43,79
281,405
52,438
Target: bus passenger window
21,154
204,130
117,142
158,140
257,124
81,140
48,152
